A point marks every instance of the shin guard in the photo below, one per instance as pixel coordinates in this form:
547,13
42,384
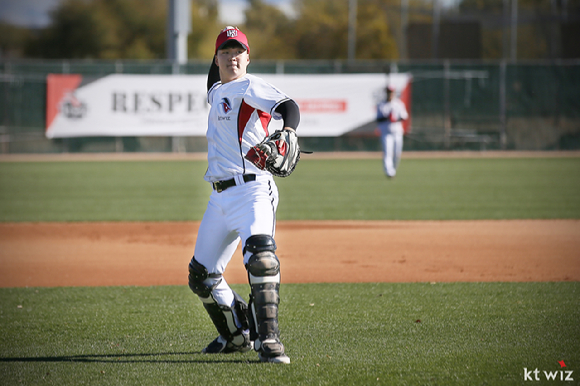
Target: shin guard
264,276
230,322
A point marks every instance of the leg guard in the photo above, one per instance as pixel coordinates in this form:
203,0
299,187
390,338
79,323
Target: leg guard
264,277
223,316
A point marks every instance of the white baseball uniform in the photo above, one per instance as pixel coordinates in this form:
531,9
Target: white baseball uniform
240,113
389,117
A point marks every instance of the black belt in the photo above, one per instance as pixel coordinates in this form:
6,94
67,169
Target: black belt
220,186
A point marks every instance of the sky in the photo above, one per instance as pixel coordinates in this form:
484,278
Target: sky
27,13
35,13
232,11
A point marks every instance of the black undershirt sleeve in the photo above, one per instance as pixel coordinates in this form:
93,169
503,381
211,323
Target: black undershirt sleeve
290,113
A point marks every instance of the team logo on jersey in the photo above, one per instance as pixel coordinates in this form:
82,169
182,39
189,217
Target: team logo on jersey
226,105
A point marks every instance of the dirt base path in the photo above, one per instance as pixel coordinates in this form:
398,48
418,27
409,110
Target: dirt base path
97,254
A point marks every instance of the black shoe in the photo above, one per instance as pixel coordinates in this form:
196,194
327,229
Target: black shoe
272,351
221,345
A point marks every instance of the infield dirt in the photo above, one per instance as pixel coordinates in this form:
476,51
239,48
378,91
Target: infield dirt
157,253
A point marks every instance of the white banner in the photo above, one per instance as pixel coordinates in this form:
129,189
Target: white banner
126,105
175,105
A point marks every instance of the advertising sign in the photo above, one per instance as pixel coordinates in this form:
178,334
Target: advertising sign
176,105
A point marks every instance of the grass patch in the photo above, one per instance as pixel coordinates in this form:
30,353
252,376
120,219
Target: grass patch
434,189
425,189
335,334
102,191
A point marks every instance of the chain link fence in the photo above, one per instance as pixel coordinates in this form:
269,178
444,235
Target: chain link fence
457,105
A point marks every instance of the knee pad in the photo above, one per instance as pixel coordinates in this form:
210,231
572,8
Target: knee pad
197,276
260,243
263,265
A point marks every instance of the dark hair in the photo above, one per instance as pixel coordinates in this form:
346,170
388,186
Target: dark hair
231,44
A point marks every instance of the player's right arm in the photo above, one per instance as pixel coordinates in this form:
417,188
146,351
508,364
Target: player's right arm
404,114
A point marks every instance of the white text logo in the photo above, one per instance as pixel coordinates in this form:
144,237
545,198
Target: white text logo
557,375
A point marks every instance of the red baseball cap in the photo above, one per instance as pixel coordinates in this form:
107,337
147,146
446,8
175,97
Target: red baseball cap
231,33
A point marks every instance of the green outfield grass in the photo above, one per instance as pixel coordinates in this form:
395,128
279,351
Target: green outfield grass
335,334
425,189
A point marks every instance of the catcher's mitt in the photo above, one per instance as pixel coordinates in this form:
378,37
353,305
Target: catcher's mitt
278,153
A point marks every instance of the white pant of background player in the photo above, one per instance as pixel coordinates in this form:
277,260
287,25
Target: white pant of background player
392,143
390,115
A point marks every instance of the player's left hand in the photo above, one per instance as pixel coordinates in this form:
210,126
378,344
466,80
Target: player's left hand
278,153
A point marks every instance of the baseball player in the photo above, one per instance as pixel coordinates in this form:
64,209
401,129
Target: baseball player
390,114
242,206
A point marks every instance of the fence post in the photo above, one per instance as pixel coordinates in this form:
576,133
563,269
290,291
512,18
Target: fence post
177,145
119,145
447,108
514,31
352,15
4,140
280,67
502,105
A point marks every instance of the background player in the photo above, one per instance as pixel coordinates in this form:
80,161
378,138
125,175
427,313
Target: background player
390,114
242,205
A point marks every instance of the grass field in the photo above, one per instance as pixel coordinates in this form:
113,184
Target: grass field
336,334
426,189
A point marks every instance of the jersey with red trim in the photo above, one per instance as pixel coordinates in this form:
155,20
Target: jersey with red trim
240,113
390,114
